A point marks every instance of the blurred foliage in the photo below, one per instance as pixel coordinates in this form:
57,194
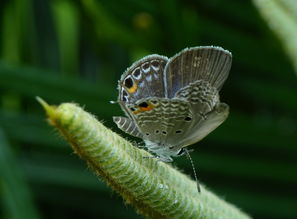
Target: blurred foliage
66,50
281,16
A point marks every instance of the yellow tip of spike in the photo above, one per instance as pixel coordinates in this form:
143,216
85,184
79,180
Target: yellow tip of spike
48,109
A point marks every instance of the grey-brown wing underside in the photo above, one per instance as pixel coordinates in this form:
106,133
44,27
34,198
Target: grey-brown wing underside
201,95
127,125
162,120
210,64
206,125
143,79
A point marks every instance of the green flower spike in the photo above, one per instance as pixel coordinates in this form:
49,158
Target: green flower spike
154,188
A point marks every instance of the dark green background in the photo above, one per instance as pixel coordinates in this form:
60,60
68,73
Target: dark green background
75,51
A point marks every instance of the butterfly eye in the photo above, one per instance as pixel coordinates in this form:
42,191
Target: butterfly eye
188,118
132,109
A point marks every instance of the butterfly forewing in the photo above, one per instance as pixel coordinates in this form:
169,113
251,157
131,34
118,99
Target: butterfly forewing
211,64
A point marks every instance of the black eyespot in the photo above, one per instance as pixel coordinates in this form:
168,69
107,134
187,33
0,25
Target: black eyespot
147,134
143,104
165,133
157,131
128,82
178,131
188,118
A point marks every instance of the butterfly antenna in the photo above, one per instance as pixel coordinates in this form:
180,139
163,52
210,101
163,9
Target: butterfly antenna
194,170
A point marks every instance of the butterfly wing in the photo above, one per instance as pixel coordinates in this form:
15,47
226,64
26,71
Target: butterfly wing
207,124
207,63
162,121
174,103
201,95
127,125
196,76
143,79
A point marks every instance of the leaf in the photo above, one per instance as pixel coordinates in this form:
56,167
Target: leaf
281,16
15,192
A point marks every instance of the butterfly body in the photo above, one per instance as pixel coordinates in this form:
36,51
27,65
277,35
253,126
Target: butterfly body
173,103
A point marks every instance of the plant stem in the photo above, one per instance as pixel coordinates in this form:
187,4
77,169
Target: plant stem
154,188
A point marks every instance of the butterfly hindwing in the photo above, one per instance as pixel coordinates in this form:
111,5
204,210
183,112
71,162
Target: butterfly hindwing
127,125
201,95
206,124
143,79
162,120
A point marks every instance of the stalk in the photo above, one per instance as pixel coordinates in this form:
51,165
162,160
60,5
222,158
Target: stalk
155,189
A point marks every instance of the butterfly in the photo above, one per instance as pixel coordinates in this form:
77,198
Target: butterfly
174,102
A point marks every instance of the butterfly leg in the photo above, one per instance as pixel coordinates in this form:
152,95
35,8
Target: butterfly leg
165,159
182,152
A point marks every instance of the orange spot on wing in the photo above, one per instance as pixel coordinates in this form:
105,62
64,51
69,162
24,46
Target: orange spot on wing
133,89
143,109
148,108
